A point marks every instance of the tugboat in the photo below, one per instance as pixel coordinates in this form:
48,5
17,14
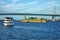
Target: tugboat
8,21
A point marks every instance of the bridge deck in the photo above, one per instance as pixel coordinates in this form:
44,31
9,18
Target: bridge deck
29,14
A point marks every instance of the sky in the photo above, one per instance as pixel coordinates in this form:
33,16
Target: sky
29,6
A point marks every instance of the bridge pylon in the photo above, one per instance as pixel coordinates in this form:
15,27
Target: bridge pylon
53,12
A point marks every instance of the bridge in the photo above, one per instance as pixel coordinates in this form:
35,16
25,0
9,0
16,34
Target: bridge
29,14
53,15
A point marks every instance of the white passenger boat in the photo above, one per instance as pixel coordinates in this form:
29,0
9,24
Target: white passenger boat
8,21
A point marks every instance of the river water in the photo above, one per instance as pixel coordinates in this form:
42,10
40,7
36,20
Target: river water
30,31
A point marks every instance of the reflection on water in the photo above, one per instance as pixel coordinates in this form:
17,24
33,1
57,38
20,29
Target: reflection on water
31,31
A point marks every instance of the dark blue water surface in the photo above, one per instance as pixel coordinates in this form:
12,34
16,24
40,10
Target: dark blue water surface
31,31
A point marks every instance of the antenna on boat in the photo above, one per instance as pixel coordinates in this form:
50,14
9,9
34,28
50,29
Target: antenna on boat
53,12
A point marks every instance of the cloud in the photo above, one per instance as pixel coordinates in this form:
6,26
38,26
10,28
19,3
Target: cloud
31,6
1,11
39,7
12,7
